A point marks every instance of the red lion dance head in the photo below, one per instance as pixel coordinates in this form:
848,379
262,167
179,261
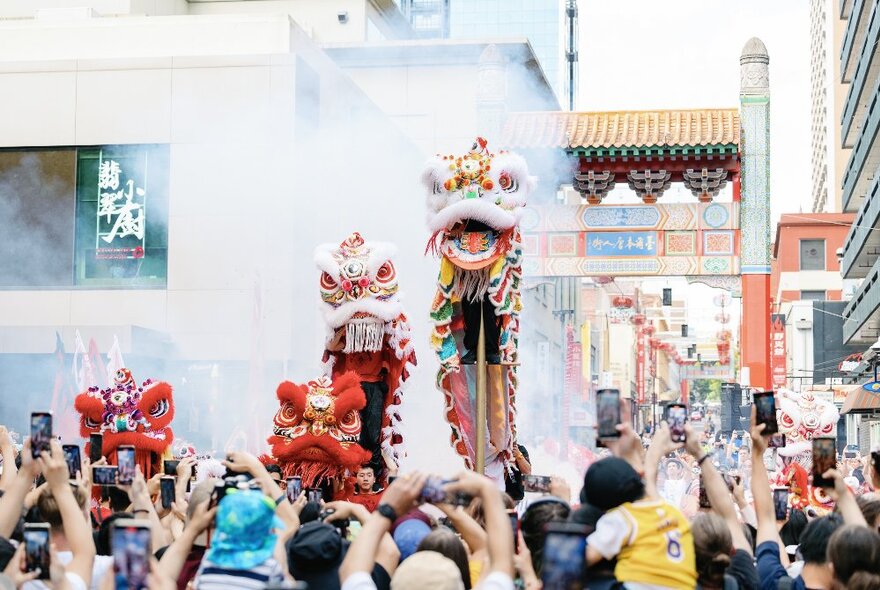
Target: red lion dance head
129,415
317,428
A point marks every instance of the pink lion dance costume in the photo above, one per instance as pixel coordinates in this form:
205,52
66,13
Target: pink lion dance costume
128,414
474,207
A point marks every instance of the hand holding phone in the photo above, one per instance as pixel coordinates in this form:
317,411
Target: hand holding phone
294,488
608,412
130,546
565,549
96,447
125,460
824,458
73,459
41,432
780,503
676,418
765,412
167,491
36,549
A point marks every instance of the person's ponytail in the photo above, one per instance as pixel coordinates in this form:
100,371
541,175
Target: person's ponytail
862,580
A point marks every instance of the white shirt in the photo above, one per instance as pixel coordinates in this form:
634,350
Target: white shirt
102,565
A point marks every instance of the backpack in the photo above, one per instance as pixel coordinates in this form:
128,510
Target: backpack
785,583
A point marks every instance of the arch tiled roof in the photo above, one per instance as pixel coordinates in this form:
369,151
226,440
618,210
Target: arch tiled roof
626,132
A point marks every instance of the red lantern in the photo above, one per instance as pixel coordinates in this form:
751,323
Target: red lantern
649,329
638,319
654,342
723,335
623,302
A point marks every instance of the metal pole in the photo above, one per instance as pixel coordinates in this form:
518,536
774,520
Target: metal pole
481,398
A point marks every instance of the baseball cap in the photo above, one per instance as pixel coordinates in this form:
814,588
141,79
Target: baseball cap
427,570
315,553
611,482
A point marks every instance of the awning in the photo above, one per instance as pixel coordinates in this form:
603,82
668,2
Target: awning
861,401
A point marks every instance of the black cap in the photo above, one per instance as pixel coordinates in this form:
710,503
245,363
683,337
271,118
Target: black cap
610,482
315,553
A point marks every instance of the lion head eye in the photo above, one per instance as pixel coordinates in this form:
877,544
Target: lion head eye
386,274
328,283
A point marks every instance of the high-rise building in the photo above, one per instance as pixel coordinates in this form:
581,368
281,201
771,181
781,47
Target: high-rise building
549,25
827,93
859,60
541,21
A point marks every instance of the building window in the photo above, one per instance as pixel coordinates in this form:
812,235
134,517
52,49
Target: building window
37,191
122,216
813,295
812,254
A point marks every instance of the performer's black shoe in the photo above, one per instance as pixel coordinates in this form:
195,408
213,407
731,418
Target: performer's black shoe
493,359
470,358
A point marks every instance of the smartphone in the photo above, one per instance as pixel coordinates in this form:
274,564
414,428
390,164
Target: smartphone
96,447
130,547
73,458
314,495
536,483
104,475
780,503
294,488
776,441
459,498
41,432
824,458
608,412
765,411
850,455
166,491
704,497
36,548
564,562
125,461
676,417
169,467
514,526
433,491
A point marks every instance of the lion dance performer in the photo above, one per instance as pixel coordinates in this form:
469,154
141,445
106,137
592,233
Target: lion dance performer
368,333
802,417
317,429
474,205
128,414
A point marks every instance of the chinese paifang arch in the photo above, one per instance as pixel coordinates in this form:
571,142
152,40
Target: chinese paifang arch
474,206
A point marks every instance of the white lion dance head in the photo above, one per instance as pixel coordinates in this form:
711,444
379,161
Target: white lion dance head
359,290
803,417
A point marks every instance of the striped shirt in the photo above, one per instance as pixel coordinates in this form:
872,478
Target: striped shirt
213,577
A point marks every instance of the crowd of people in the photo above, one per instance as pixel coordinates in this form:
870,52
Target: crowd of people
637,523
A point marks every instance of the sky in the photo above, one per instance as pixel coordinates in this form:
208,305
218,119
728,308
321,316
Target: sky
650,54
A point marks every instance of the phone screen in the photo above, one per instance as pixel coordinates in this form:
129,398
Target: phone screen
294,488
514,526
564,559
73,459
824,458
780,503
169,467
608,412
130,545
314,495
776,441
166,490
125,462
104,475
704,497
536,483
96,447
41,432
433,491
765,411
676,417
36,548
